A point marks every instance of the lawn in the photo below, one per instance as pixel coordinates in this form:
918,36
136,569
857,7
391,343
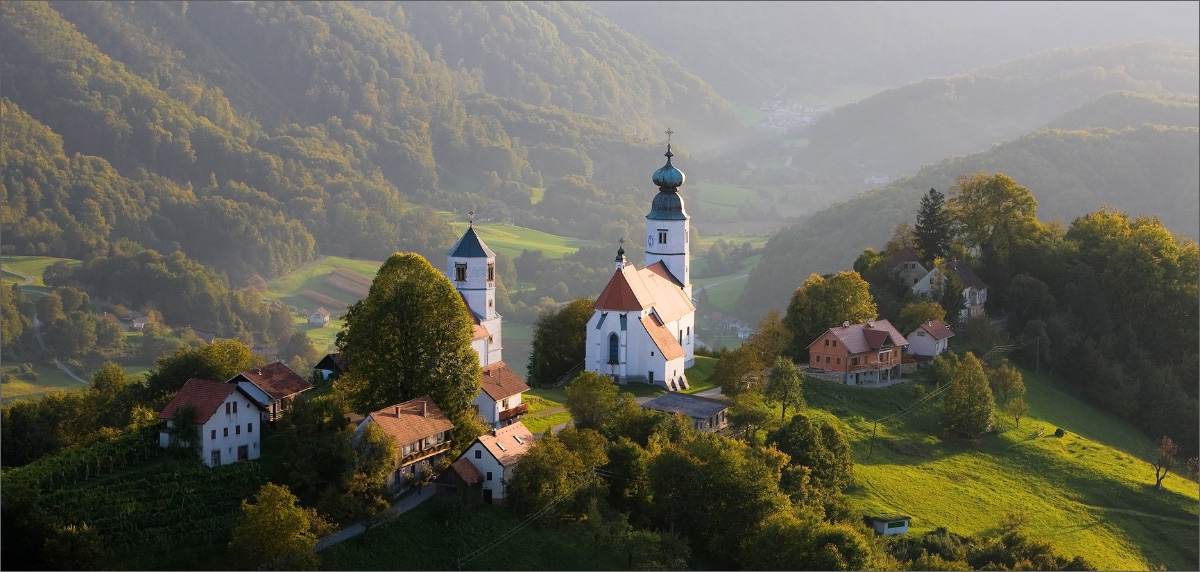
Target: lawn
1083,495
421,539
510,240
46,378
32,266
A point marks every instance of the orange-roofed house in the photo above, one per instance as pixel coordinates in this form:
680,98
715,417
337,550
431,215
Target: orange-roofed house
499,400
865,353
494,454
274,386
228,420
422,435
643,321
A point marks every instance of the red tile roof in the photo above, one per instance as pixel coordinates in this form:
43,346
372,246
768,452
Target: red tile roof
866,336
625,292
206,396
937,329
666,342
499,381
276,379
507,444
467,472
670,301
412,420
902,255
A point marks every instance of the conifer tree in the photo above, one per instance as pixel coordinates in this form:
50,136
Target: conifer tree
933,231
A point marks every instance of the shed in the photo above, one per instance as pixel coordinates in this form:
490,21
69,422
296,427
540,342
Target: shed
889,524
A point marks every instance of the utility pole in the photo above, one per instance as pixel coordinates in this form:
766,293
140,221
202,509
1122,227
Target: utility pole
871,450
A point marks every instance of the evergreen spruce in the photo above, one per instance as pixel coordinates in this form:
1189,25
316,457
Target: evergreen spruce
933,232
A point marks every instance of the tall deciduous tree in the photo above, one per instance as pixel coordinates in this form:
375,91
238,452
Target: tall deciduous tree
217,361
1017,408
995,214
916,313
770,338
1163,460
738,371
934,229
409,337
273,533
785,386
559,340
968,403
591,399
1006,381
821,303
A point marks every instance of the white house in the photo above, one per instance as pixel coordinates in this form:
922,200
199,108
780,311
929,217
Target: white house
906,267
495,453
708,415
274,386
319,317
888,525
641,328
422,435
974,290
499,400
929,339
228,419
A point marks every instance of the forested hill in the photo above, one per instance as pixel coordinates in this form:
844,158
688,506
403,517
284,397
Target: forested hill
921,123
322,127
1143,169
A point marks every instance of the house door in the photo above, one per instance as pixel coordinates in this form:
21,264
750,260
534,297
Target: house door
244,453
487,496
650,376
216,457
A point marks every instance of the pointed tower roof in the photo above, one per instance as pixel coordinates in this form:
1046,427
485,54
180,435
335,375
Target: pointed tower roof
471,246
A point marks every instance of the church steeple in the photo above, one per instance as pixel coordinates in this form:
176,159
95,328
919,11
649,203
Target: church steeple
667,226
471,266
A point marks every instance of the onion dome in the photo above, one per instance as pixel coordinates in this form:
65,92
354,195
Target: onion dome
620,254
668,205
667,176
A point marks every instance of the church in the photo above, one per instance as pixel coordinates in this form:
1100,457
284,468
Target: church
643,321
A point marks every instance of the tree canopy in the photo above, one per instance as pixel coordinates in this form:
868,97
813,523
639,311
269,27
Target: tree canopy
824,302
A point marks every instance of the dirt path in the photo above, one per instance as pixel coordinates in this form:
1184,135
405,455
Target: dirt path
28,279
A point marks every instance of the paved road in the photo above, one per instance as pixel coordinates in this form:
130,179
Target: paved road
406,504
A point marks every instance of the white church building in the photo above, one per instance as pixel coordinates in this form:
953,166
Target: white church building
643,326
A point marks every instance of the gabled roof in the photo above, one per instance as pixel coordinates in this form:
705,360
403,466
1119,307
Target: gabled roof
968,276
690,405
471,246
276,380
661,269
936,329
478,330
499,381
321,312
206,396
414,419
625,292
507,444
665,341
467,472
902,255
332,362
670,301
866,336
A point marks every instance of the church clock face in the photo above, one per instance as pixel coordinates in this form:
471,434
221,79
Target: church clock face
649,240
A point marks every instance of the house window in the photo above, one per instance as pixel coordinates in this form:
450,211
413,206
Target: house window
612,349
826,342
504,404
460,272
478,454
214,434
662,236
226,432
839,361
227,409
216,457
237,430
920,333
835,343
249,427
854,361
489,475
826,359
235,407
491,272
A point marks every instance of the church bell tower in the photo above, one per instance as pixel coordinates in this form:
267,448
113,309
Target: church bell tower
667,227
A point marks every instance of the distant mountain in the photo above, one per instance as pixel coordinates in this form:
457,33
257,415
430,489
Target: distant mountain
832,53
901,129
1139,169
329,122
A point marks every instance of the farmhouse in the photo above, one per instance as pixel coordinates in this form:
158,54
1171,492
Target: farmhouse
906,267
929,339
227,421
868,352
641,326
319,317
273,386
494,454
707,415
331,366
422,434
499,400
974,290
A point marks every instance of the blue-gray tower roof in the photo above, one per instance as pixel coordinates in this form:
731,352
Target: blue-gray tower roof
668,205
470,246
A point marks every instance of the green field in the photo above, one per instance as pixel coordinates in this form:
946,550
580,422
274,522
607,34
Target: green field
1081,492
32,266
510,240
47,378
748,114
420,540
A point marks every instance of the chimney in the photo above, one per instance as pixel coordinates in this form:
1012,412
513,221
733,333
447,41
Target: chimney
846,324
397,411
424,408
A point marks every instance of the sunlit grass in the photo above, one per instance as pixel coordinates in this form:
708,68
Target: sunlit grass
33,266
47,378
511,240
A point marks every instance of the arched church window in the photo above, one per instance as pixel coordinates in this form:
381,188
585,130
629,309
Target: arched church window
613,341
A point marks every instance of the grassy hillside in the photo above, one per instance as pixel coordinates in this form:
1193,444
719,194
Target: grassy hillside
32,266
1083,492
33,380
510,240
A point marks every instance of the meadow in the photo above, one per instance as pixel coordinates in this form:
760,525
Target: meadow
510,240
